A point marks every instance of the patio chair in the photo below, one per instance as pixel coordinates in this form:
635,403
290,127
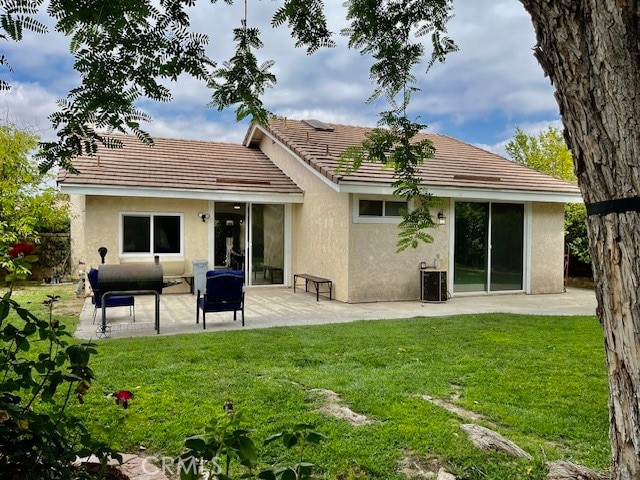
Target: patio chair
224,293
111,300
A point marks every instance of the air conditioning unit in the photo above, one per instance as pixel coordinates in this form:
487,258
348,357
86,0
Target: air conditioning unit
433,286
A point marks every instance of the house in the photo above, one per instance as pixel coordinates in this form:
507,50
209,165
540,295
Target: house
276,206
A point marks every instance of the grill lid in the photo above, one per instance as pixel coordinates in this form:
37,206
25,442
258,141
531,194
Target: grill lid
130,277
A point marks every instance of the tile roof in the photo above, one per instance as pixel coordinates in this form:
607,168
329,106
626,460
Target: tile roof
456,164
181,164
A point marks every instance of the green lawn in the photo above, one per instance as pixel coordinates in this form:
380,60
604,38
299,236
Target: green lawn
539,380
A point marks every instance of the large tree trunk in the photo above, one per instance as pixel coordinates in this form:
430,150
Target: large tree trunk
590,51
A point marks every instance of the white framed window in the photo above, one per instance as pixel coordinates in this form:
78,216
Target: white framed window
375,209
144,234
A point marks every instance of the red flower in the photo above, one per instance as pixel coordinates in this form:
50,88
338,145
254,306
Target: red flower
122,398
25,249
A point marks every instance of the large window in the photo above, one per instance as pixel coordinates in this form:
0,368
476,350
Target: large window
151,233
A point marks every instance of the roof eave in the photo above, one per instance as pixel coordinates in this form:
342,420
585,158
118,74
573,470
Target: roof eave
503,194
190,194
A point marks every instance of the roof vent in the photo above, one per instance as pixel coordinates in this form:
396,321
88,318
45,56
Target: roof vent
318,126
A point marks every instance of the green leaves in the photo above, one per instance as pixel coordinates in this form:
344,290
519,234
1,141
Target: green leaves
27,205
242,81
35,389
123,51
225,440
15,18
390,32
545,152
307,22
398,147
548,153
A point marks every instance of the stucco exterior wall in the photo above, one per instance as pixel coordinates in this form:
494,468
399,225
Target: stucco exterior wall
547,248
320,225
102,227
77,229
378,273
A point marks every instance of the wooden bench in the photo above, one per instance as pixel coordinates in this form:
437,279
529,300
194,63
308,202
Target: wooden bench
317,281
275,273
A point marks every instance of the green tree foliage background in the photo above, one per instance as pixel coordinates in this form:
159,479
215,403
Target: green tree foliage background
30,204
547,152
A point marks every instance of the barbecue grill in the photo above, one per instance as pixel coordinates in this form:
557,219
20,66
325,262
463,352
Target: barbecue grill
131,276
130,279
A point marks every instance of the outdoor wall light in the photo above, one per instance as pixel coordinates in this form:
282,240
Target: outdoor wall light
236,206
423,265
442,220
204,216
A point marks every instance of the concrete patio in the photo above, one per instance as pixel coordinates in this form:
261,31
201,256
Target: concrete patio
280,307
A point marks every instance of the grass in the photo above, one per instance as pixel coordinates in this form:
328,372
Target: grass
539,380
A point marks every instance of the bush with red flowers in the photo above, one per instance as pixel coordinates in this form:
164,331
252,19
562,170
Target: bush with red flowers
21,249
17,260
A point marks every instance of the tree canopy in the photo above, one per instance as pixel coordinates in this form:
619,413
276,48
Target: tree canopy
29,204
545,152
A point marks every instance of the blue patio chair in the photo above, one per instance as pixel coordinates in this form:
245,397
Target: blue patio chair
224,293
111,300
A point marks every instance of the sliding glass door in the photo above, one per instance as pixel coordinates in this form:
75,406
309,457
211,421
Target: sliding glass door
251,237
507,246
267,244
488,247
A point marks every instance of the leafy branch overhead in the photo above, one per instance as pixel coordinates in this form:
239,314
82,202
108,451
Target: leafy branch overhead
244,81
126,50
390,32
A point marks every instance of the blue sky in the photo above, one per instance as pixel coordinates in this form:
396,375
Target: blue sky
480,94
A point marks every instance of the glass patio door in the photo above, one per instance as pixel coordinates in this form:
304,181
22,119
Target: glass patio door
251,237
230,235
488,247
267,244
507,246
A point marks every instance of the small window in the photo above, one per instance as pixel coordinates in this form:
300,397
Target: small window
394,209
374,210
151,234
371,208
381,208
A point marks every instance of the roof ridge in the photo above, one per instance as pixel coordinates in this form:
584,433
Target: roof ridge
174,139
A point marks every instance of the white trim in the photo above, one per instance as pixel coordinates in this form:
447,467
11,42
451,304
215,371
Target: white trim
211,232
528,232
288,242
151,254
324,179
220,196
465,193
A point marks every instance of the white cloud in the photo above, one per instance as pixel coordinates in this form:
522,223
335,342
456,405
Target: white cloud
493,76
196,128
28,105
